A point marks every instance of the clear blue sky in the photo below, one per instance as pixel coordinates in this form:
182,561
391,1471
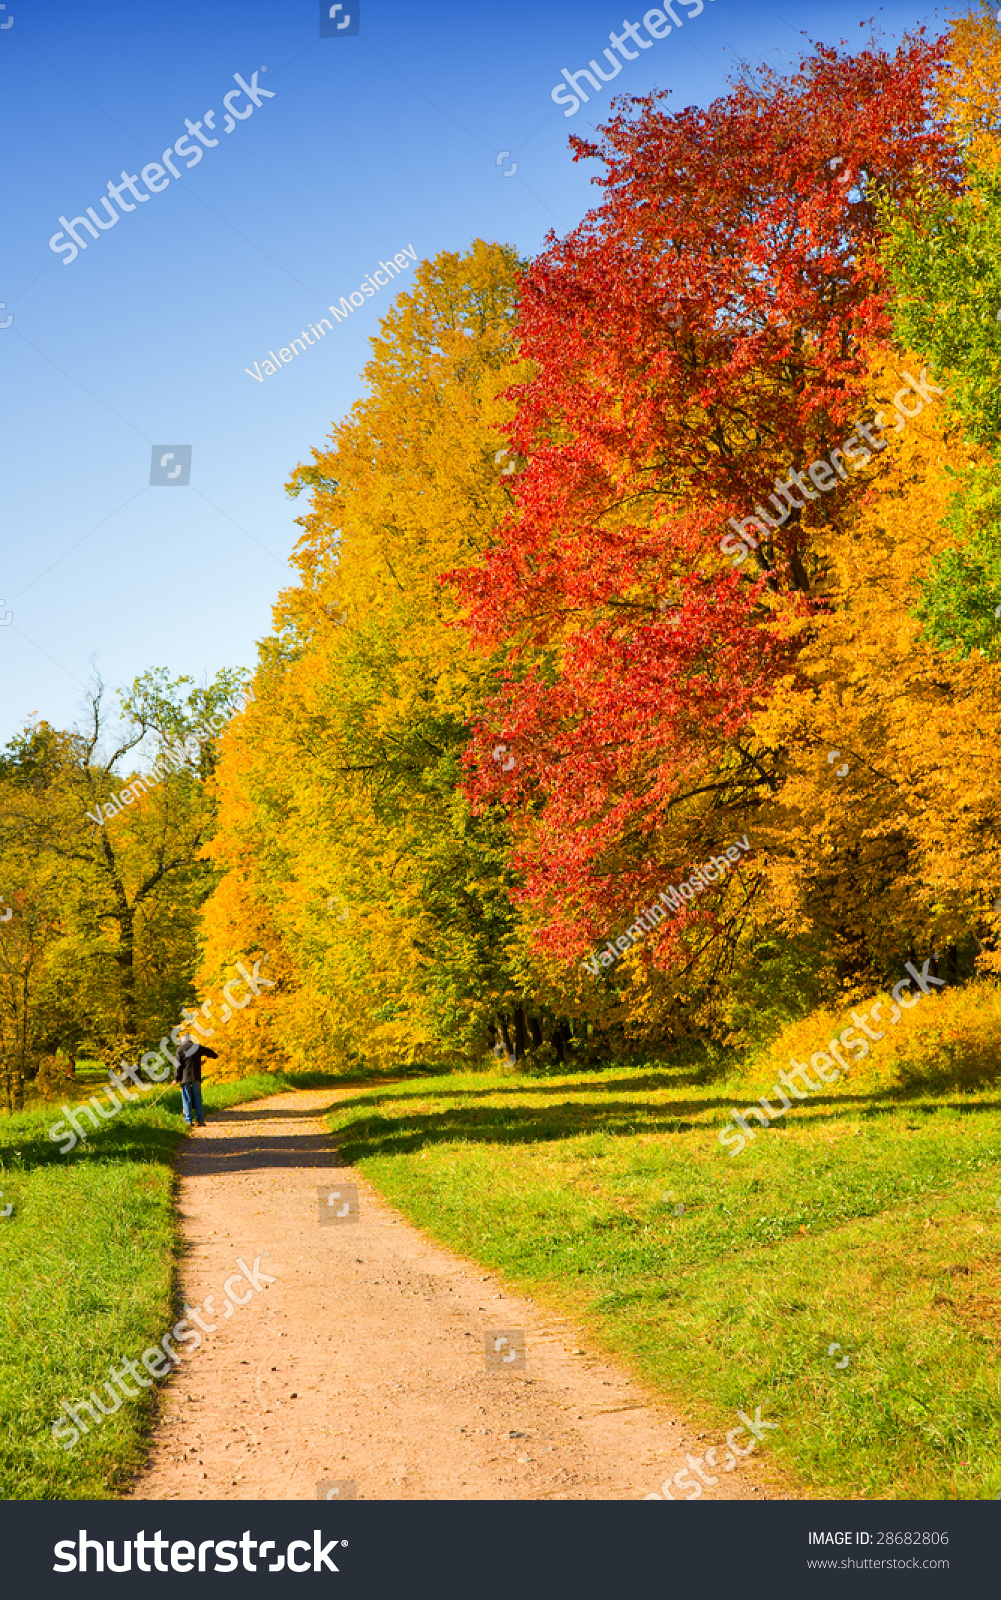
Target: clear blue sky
372,142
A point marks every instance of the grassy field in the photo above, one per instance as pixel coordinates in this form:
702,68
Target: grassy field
87,1278
869,1218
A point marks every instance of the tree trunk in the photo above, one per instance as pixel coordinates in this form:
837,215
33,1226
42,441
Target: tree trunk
952,963
506,1038
519,1033
125,958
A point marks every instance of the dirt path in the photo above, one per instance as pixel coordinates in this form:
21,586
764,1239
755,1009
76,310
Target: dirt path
363,1362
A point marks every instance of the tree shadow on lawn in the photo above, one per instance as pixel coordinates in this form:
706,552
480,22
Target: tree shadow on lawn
371,1132
131,1135
651,1082
246,1151
375,1134
347,1080
123,1139
397,1135
834,1108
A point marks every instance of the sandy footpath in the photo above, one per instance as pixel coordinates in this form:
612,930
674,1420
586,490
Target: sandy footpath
363,1363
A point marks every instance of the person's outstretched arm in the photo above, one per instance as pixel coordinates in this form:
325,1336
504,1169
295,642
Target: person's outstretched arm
214,1054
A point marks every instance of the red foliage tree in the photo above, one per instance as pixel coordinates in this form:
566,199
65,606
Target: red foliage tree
702,330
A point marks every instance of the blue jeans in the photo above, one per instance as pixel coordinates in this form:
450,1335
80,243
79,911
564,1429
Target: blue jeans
191,1101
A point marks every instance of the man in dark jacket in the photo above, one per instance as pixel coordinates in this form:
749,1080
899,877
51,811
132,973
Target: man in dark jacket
188,1073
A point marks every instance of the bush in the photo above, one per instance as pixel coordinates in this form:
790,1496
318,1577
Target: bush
951,1040
50,1079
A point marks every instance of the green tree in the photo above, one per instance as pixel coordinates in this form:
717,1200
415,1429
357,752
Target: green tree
105,872
943,252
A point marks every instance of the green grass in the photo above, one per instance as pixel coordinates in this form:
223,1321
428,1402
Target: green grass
87,1278
843,1224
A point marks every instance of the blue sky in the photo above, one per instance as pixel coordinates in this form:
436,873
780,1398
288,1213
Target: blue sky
371,142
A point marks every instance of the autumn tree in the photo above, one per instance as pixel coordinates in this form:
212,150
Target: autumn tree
346,847
883,831
704,331
943,253
102,866
882,835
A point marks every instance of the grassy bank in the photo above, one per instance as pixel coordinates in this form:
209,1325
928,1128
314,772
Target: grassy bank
87,1278
869,1218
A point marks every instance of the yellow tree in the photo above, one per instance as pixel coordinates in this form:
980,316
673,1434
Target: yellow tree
346,846
971,91
884,831
881,840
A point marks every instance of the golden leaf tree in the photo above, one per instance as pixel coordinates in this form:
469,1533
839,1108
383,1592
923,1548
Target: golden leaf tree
347,850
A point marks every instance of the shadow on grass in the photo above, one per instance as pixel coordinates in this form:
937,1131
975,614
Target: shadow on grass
362,1080
243,1149
147,1130
150,1134
651,1082
375,1134
880,1103
396,1135
135,1138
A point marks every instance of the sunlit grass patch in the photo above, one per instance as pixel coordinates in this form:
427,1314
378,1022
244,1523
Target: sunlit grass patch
870,1220
87,1278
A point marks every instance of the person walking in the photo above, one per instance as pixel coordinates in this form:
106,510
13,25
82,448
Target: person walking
188,1073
